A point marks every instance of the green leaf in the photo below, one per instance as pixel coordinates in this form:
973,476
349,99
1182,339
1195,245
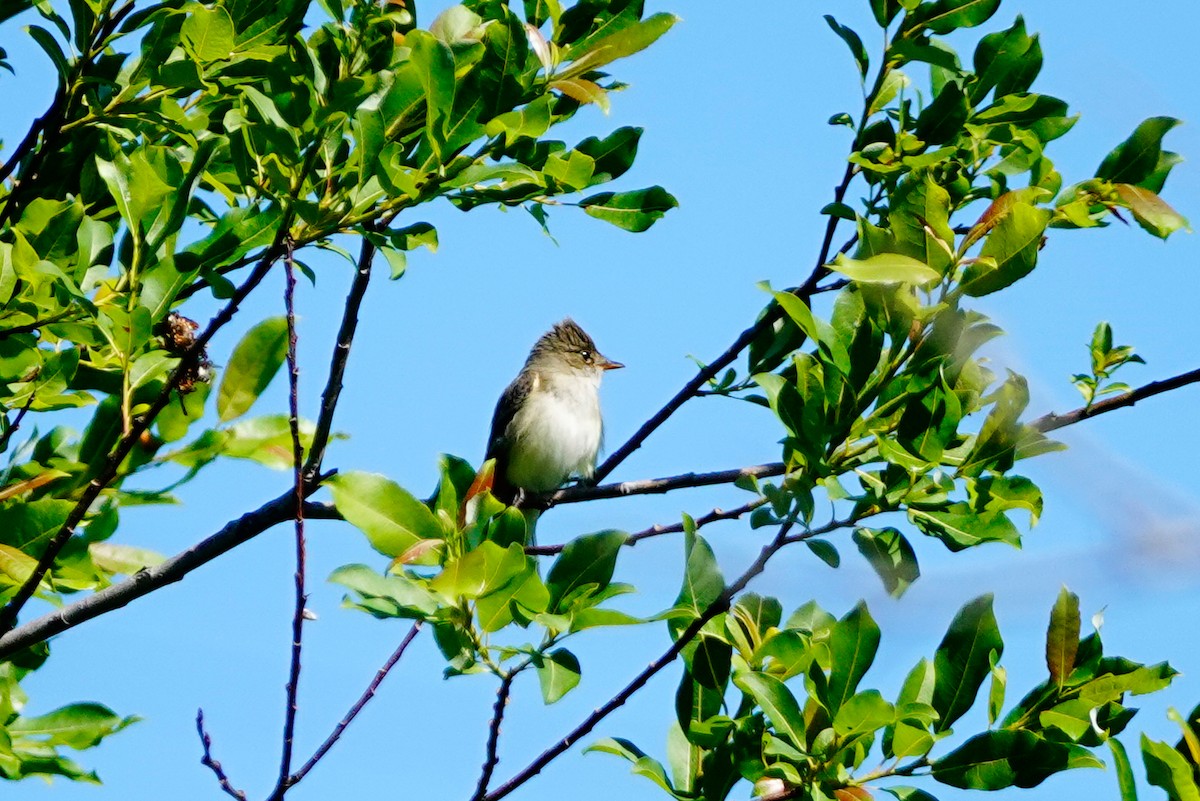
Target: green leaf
1135,159
701,691
586,561
959,527
885,268
115,558
1125,780
531,121
1062,637
852,41
614,154
963,660
891,555
1007,61
776,702
208,33
852,645
434,62
254,362
643,765
76,726
703,583
1010,251
633,211
385,596
1151,212
391,518
625,42
487,568
525,590
1166,768
946,16
558,673
1006,758
864,713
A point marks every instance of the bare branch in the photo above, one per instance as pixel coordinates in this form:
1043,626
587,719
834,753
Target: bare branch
658,530
15,424
492,760
652,486
293,682
337,364
212,764
233,534
718,606
1052,422
367,695
768,318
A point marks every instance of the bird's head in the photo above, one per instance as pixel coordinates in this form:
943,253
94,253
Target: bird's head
567,348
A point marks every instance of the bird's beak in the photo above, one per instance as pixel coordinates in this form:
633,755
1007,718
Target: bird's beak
606,363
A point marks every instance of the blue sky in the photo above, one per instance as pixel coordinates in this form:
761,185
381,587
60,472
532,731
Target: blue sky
734,102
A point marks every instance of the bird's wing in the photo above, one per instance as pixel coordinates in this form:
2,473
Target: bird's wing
511,400
506,409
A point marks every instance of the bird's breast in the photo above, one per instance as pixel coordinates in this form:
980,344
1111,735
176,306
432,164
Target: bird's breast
556,433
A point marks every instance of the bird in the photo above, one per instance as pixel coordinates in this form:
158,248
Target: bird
547,425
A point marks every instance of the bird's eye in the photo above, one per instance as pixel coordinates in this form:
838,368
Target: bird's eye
586,355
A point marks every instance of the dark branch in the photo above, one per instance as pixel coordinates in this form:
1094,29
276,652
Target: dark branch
652,486
367,695
772,313
337,364
659,530
212,764
29,328
492,759
1052,422
233,534
15,424
110,469
293,682
718,606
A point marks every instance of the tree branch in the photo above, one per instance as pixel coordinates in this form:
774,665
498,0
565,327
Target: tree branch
658,530
1052,422
718,606
768,318
233,534
293,682
215,766
337,363
108,472
367,695
492,760
653,486
15,424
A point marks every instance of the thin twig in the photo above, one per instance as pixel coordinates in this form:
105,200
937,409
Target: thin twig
367,695
658,529
16,423
1052,422
652,486
706,374
29,328
293,682
718,606
491,760
337,363
212,764
108,472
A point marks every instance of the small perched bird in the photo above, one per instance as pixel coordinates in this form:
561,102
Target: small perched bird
547,424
